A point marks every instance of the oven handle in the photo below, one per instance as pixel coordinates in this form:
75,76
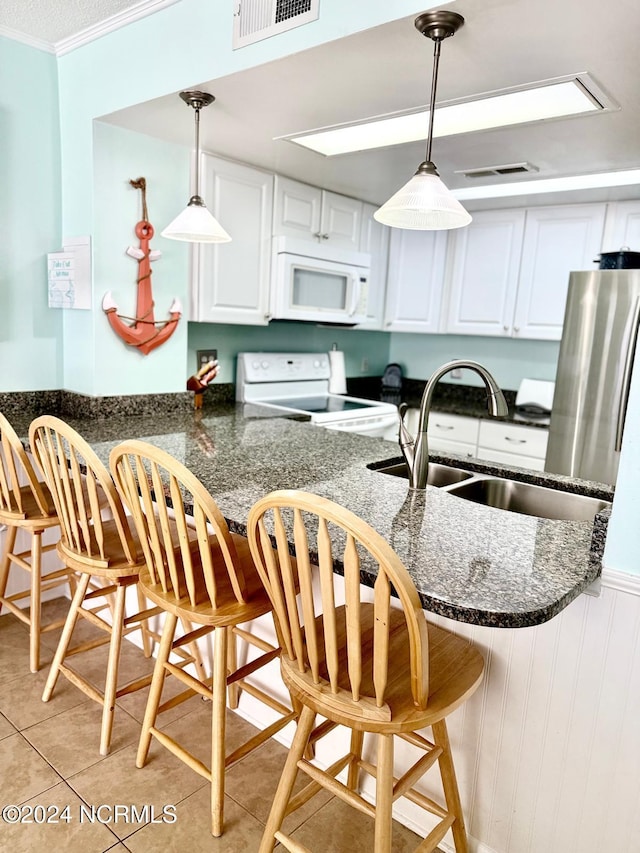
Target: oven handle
362,425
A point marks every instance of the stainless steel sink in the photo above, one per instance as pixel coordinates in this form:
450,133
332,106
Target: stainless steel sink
439,475
528,499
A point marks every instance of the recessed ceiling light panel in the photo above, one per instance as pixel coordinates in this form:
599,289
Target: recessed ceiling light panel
548,99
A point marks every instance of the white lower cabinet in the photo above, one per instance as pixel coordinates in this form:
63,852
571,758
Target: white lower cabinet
513,445
494,441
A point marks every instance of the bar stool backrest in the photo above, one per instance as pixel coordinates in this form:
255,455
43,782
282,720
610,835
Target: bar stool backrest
92,517
182,532
328,655
16,472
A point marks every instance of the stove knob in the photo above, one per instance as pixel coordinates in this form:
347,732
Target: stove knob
255,364
265,364
316,363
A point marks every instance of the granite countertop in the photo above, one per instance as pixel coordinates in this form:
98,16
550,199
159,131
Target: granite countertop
465,400
469,562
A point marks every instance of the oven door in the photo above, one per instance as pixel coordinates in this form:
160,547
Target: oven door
318,290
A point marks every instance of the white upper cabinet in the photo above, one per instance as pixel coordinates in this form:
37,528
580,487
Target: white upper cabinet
557,240
486,261
622,226
415,280
308,212
231,280
374,239
511,269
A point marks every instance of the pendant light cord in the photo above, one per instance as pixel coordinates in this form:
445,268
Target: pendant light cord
197,169
434,83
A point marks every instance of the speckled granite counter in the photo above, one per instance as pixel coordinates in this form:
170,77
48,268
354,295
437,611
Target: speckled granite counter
469,562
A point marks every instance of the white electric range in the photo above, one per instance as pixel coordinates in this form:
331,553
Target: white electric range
298,383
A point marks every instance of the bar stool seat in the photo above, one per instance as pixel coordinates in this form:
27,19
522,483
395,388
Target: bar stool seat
374,667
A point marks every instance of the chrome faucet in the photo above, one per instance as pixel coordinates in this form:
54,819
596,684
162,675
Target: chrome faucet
416,451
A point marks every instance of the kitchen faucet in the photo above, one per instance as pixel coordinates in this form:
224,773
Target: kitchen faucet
416,451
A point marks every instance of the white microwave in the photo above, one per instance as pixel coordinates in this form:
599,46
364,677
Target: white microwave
318,283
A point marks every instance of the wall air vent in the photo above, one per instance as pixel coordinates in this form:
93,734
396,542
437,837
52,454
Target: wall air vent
492,171
254,20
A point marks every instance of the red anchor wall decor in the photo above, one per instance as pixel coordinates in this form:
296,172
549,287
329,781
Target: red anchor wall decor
143,331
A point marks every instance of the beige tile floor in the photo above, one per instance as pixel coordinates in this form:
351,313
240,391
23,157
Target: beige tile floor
49,758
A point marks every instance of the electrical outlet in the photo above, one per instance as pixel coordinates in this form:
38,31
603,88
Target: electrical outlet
205,356
364,365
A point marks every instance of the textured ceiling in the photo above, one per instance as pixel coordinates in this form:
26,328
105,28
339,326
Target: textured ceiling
55,20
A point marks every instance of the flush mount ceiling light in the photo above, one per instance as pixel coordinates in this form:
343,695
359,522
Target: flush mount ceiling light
559,97
196,224
622,178
424,203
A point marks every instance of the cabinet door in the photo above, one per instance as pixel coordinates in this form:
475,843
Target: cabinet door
296,209
557,240
415,280
374,239
340,220
512,438
232,279
486,260
622,227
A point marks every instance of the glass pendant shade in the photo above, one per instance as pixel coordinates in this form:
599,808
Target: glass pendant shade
196,224
423,204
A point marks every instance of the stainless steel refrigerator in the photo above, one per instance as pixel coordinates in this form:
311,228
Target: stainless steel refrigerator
594,373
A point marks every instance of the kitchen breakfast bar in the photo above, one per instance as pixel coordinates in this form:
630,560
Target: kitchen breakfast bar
469,562
556,671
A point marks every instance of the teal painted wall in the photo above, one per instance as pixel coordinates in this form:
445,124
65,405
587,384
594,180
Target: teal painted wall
292,337
120,156
30,332
509,360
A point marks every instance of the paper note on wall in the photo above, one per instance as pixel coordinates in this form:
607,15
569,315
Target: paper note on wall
69,275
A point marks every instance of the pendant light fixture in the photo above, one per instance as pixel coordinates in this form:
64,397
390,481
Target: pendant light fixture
424,203
196,224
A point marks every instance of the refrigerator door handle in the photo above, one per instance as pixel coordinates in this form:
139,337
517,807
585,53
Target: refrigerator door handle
626,376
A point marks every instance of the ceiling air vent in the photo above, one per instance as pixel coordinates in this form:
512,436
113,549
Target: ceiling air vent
491,171
254,20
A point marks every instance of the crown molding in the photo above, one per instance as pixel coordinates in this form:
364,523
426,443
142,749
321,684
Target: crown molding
30,41
96,31
115,22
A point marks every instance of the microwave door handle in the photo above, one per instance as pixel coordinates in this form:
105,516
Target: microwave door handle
355,298
626,376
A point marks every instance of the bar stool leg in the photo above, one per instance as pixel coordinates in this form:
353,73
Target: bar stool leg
155,689
357,740
384,794
111,683
65,638
34,604
450,786
287,779
6,562
219,711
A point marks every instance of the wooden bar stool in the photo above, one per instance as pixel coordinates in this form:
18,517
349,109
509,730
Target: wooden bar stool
26,504
209,581
97,544
371,667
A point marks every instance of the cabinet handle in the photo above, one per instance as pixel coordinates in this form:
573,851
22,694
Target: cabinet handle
443,426
515,440
318,235
505,328
516,329
324,236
